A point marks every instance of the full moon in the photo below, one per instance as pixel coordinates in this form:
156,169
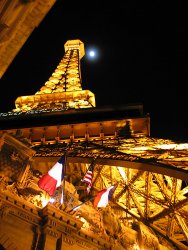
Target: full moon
92,53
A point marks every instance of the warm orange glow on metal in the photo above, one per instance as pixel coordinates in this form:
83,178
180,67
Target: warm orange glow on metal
63,89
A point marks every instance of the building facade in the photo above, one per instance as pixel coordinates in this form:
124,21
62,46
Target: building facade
148,209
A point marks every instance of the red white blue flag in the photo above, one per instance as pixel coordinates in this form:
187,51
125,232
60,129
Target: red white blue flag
88,176
102,198
53,178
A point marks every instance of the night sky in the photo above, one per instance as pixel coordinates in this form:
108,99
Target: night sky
141,49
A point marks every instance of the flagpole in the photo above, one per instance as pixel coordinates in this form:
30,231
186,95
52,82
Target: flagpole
108,190
78,206
63,184
72,196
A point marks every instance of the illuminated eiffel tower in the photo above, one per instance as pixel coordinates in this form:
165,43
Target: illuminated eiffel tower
63,89
149,209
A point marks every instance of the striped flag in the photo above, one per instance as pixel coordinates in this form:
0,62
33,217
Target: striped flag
53,178
88,176
102,198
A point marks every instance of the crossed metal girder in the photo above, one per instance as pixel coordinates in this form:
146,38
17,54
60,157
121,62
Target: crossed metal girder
152,183
115,155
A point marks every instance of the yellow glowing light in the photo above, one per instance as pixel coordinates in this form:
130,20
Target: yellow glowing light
173,146
122,173
45,202
136,247
51,200
141,148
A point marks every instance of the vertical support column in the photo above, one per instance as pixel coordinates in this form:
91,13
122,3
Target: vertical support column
50,237
49,233
36,237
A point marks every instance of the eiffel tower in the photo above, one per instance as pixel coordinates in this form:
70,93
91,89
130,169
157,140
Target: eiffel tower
149,208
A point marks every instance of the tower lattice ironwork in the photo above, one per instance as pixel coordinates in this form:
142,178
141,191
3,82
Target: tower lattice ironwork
152,173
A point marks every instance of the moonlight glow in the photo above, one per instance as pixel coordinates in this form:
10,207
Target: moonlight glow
92,54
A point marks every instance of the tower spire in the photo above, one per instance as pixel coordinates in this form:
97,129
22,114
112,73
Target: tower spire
63,90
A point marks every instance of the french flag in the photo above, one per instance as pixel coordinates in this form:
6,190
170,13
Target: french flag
53,178
102,198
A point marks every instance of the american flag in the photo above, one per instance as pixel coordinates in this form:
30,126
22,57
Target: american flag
88,176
